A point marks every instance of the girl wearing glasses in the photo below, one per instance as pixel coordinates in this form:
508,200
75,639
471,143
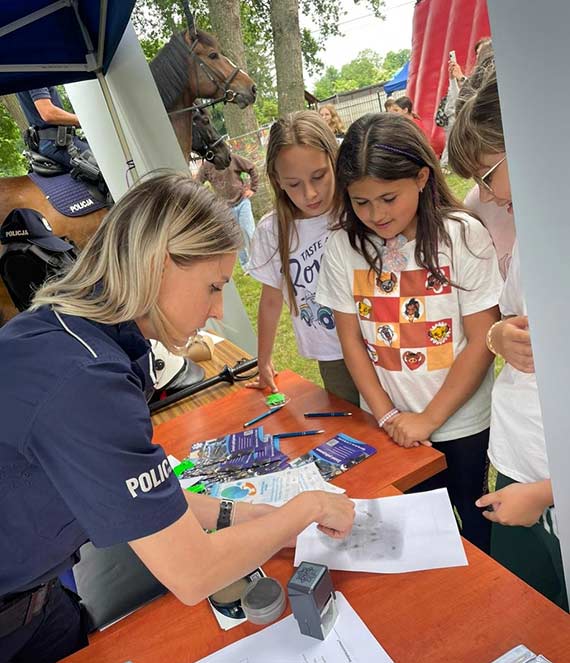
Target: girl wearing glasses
524,525
414,285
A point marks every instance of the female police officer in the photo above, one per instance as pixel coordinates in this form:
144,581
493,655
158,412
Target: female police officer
76,458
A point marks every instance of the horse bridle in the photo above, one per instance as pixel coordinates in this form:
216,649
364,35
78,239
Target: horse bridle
223,84
208,150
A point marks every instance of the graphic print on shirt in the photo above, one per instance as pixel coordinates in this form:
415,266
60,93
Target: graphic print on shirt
401,318
304,271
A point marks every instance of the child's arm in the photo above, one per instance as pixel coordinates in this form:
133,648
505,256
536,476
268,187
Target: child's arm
510,338
464,377
519,503
359,364
268,313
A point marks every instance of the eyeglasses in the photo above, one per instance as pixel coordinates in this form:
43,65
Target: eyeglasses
484,179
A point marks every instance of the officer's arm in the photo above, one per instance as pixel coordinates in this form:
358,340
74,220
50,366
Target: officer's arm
52,114
193,564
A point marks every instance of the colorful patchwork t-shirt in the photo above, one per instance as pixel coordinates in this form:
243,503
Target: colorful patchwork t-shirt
411,322
314,327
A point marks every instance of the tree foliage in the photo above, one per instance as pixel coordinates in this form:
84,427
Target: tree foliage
156,20
367,68
11,145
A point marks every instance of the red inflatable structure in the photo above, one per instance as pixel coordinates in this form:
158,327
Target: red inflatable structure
441,26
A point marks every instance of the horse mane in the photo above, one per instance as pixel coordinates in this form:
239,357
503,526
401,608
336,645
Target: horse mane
170,66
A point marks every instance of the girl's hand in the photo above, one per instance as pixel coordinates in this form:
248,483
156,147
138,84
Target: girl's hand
265,379
409,429
511,339
517,504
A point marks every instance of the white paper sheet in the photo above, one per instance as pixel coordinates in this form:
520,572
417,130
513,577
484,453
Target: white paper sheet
350,640
391,535
275,488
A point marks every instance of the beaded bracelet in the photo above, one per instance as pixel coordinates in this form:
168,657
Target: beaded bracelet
389,415
489,340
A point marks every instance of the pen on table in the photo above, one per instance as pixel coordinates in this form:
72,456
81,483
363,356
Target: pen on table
262,416
313,415
300,433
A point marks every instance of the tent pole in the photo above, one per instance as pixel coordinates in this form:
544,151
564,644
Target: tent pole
94,60
117,125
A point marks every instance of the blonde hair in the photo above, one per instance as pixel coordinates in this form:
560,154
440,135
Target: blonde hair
118,274
301,128
478,129
336,125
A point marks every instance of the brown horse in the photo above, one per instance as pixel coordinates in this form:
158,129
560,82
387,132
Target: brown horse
190,66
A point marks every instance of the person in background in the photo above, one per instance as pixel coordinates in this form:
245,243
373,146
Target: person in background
76,430
524,532
44,111
414,285
288,246
455,71
405,107
389,105
331,117
230,186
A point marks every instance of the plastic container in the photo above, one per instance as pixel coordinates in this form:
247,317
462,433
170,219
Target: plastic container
263,601
227,600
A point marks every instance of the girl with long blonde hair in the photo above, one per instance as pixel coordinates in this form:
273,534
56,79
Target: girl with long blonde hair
330,115
288,245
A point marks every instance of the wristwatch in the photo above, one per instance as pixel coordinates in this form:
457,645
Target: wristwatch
225,514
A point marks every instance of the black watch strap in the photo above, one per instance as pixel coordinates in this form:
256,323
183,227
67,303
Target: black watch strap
225,514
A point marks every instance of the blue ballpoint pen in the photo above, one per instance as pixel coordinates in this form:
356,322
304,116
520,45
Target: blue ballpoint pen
262,416
314,415
300,433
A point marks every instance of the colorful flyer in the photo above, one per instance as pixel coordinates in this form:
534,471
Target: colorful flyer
336,456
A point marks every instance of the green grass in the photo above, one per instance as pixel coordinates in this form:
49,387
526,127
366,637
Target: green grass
285,354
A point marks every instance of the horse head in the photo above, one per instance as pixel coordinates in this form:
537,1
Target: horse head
207,142
213,74
189,66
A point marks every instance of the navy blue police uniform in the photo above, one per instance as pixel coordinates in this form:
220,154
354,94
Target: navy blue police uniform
76,464
47,146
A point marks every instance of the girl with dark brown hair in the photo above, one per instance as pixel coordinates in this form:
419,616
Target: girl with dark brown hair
429,380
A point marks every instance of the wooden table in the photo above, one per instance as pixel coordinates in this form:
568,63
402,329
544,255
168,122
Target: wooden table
462,615
391,465
470,614
225,353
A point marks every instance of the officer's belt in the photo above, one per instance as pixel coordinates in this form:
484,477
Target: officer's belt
17,610
51,133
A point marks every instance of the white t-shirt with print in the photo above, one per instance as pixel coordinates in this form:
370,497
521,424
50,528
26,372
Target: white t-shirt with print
412,324
314,327
516,444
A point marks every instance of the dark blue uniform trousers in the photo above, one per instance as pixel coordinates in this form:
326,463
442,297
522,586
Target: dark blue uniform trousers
56,632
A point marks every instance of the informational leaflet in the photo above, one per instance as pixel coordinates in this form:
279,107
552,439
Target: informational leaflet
349,641
336,455
275,488
391,535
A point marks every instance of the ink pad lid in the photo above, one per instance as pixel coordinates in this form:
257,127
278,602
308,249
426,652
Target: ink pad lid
263,601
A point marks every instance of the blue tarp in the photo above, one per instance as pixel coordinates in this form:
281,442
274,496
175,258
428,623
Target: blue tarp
399,81
56,39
